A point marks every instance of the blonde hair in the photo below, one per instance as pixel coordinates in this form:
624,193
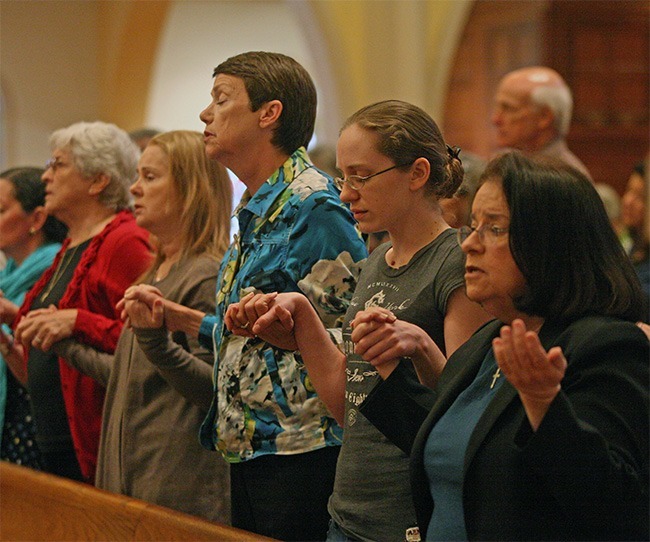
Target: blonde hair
204,191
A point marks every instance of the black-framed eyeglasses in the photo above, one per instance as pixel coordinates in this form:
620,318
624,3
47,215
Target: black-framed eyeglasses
356,182
488,235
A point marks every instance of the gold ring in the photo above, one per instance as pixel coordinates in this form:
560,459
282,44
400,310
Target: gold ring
245,326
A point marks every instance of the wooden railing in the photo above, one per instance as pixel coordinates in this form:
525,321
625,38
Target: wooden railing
36,506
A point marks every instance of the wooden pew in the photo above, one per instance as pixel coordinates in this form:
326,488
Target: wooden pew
36,506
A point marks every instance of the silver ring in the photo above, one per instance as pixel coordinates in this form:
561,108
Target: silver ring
245,326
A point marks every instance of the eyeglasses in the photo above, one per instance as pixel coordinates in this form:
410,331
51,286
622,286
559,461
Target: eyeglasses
488,235
356,182
54,163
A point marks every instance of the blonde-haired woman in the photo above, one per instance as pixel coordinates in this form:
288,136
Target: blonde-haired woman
158,384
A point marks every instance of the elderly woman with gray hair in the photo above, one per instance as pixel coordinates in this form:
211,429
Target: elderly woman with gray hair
87,188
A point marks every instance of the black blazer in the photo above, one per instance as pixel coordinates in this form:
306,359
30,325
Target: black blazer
583,475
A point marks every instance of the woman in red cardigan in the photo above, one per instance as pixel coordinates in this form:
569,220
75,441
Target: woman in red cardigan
87,188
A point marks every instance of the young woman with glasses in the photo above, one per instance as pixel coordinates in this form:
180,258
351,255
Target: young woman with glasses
395,166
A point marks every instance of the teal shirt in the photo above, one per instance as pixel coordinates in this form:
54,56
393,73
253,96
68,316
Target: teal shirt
444,453
295,235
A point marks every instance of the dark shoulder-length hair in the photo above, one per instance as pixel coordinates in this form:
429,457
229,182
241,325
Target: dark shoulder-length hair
563,243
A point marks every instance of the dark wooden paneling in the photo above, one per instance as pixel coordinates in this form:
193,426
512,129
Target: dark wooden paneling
601,48
500,36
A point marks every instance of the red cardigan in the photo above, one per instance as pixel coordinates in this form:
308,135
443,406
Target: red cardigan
114,259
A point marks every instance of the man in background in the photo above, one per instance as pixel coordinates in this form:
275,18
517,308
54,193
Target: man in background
532,113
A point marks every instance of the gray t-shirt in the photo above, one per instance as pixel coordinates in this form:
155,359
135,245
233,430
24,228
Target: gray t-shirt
372,494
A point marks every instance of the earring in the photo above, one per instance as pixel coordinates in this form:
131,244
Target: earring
32,230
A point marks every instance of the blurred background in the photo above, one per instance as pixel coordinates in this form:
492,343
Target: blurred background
149,63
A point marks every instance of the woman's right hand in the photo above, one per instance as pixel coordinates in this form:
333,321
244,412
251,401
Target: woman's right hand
268,316
382,339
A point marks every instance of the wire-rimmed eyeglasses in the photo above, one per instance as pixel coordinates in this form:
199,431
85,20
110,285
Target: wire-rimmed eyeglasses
54,163
488,235
356,182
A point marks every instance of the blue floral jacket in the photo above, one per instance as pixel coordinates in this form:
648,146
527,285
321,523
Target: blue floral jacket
295,235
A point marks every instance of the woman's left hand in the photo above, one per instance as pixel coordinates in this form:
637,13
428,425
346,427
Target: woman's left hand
535,373
43,327
381,339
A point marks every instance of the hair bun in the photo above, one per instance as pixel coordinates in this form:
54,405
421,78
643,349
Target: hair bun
453,152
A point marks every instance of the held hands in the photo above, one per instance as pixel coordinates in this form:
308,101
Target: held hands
142,306
140,300
535,373
7,345
268,316
381,339
42,328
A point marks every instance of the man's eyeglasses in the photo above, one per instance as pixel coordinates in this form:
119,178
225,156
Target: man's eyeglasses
488,235
356,182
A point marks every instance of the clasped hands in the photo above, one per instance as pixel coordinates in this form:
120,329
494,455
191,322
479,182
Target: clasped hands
379,337
382,339
41,328
142,306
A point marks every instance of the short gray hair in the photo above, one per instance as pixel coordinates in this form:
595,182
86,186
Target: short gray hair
102,148
559,100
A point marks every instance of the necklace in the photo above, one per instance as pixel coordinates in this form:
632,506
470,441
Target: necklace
58,273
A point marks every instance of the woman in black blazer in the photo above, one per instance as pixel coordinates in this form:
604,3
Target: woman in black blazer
538,426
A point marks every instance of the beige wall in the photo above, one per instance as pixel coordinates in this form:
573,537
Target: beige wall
66,60
48,73
391,48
